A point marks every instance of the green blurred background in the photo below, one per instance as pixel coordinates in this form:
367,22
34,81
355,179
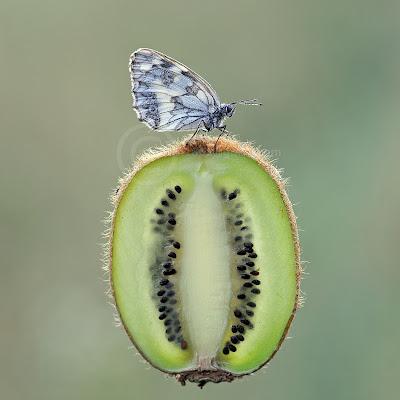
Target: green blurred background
328,73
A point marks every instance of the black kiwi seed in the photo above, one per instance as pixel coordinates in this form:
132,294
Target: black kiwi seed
184,344
159,211
248,244
172,254
234,340
167,265
244,228
234,329
178,189
164,203
163,299
241,296
162,308
171,221
161,292
169,272
171,215
171,293
232,347
237,313
255,273
241,329
240,337
232,196
241,268
245,322
163,282
240,222
248,284
241,253
249,313
177,245
253,255
255,291
167,322
250,264
162,316
245,276
238,238
256,281
251,304
171,194
225,350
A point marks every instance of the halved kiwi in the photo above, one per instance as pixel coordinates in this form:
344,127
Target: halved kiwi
204,259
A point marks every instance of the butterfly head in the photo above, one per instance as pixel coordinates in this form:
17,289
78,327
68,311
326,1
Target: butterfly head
228,109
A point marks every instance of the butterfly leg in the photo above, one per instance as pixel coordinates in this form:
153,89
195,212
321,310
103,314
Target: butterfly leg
195,133
223,132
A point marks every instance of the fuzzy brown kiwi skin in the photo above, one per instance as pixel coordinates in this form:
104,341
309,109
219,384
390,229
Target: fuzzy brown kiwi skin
204,144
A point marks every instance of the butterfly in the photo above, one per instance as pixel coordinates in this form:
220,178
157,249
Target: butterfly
168,96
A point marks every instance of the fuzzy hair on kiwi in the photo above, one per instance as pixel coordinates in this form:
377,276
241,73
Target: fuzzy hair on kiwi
201,144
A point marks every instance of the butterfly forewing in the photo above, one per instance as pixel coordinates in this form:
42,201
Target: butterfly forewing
167,95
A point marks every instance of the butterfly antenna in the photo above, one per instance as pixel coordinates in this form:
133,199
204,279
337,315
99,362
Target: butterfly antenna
252,102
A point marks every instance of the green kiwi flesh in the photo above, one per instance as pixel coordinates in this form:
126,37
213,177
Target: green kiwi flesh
204,259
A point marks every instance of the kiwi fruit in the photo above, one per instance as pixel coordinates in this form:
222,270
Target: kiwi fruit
204,259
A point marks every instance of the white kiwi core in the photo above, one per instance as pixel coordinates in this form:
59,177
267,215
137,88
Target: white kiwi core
205,282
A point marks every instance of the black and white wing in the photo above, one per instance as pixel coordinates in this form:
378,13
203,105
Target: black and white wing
167,95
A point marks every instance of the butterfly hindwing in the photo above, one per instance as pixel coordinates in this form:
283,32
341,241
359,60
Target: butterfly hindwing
167,95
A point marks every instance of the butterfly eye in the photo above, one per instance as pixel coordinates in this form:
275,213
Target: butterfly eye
229,110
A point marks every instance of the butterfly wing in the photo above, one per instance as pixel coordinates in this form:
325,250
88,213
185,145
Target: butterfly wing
167,95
